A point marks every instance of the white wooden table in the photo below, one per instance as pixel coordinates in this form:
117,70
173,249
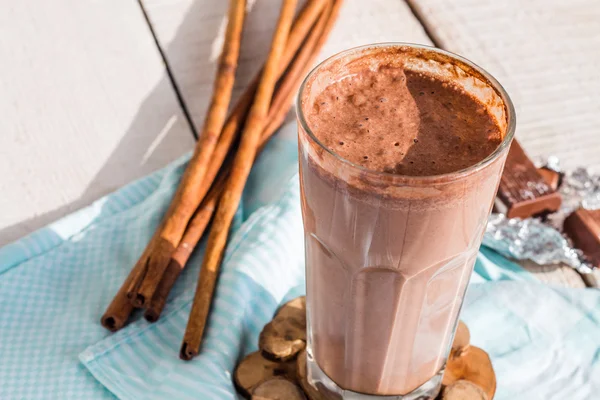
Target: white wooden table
94,94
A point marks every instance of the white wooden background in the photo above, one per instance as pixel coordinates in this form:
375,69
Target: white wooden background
85,107
87,103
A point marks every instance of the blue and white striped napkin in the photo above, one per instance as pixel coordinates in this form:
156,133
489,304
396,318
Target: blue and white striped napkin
55,284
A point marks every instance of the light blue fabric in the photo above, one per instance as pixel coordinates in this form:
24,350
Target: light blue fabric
55,284
544,342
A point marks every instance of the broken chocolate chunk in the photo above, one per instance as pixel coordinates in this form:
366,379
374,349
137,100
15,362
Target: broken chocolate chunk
583,228
551,177
523,192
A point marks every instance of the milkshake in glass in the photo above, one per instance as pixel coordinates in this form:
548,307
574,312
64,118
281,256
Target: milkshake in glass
401,152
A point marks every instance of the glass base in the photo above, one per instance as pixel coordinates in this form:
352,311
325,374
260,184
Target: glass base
330,390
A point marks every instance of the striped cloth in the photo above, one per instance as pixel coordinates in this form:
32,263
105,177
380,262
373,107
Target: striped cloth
55,284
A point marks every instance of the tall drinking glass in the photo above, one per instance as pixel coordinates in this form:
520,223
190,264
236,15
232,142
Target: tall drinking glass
389,256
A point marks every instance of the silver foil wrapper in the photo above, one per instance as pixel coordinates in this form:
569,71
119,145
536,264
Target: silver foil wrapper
579,188
532,239
542,241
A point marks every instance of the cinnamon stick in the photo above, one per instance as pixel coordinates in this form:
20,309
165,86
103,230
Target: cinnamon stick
230,198
300,29
144,286
184,204
179,259
279,108
119,310
306,56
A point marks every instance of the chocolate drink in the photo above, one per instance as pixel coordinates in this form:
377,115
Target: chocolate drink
401,151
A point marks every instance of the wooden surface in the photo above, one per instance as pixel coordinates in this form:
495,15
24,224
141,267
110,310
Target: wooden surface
85,107
87,104
189,33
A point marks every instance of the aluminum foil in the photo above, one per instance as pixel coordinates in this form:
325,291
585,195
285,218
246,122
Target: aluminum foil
579,188
532,239
542,241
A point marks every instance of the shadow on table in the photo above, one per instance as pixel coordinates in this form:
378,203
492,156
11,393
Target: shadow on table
152,139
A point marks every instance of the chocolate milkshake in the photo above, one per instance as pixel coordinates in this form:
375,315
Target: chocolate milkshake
402,148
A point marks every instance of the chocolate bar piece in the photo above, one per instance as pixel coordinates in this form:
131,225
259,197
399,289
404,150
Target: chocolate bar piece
583,228
523,192
551,177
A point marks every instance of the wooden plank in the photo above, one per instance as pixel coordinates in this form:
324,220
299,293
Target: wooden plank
545,54
85,107
190,34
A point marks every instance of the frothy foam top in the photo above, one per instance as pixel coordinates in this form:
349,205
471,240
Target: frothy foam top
391,119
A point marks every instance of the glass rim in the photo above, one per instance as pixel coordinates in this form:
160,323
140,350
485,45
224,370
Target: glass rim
508,105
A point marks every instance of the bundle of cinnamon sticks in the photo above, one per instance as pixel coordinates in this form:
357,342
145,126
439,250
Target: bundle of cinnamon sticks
212,184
